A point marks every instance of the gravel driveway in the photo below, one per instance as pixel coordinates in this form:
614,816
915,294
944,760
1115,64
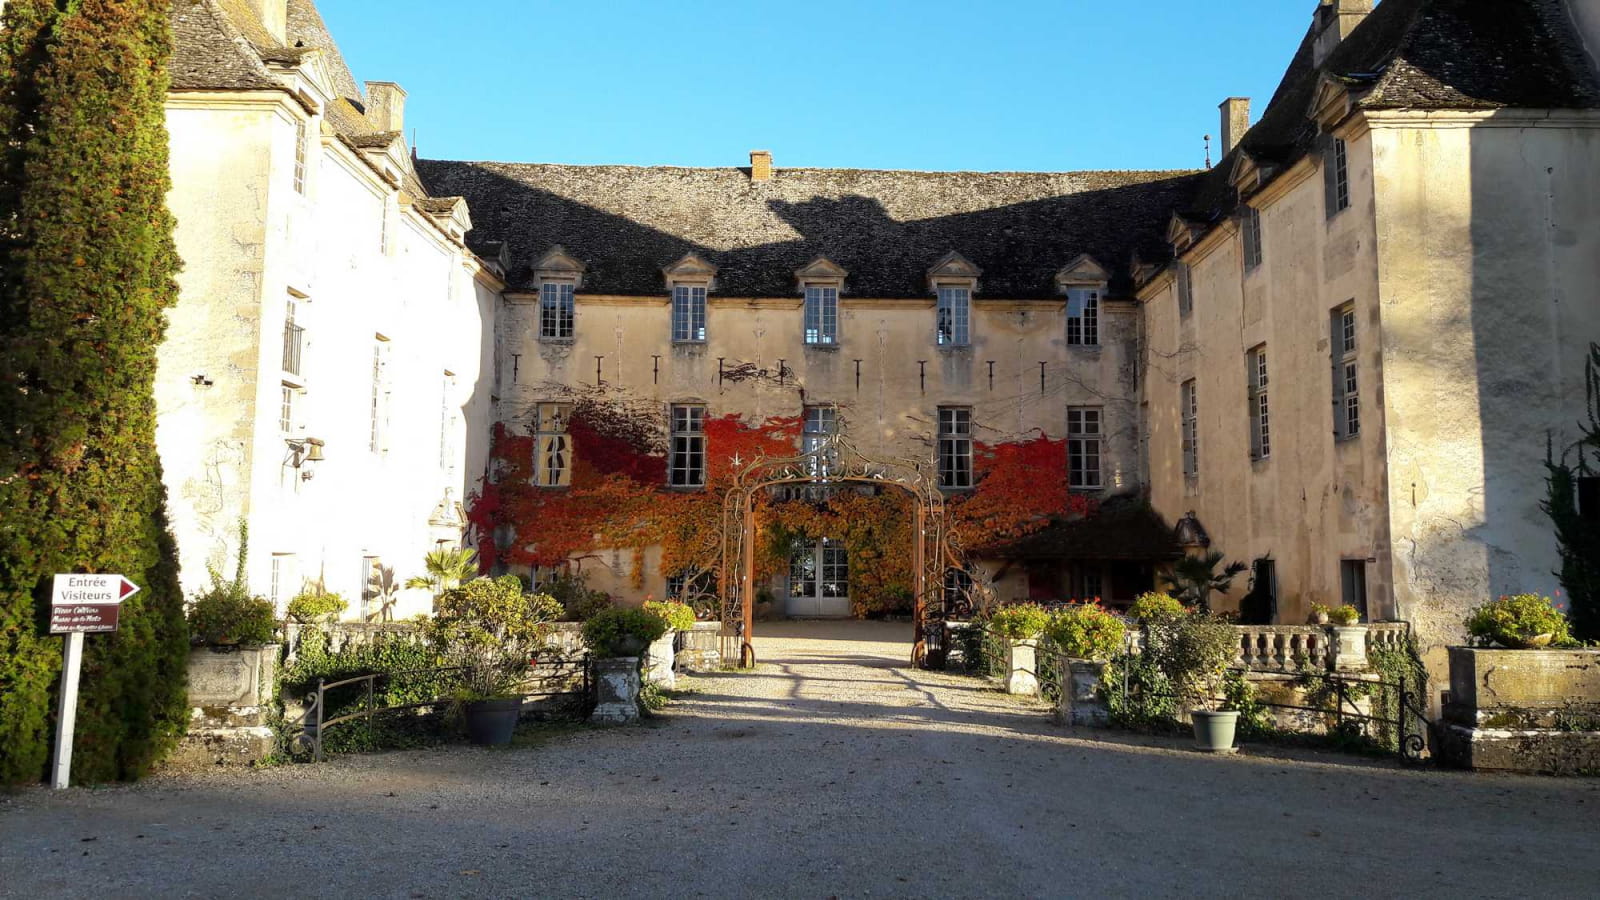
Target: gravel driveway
833,770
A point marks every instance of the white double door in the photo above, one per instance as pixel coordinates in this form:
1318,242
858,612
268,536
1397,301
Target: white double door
819,580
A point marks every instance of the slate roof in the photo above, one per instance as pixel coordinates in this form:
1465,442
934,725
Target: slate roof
1422,55
1123,528
210,53
886,228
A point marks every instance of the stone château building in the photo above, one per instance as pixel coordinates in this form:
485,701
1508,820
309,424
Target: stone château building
1337,354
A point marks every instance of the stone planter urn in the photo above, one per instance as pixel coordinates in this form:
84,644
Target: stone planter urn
1080,702
230,691
616,683
1349,645
659,658
1022,668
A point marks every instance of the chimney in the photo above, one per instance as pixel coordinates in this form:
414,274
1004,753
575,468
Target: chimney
386,105
1334,21
1235,122
760,165
274,15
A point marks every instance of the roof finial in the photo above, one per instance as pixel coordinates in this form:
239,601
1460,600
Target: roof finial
1208,151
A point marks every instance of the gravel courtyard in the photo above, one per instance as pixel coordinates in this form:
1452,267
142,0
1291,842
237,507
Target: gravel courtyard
833,770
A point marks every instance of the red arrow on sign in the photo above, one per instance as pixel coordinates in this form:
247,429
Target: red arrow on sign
128,589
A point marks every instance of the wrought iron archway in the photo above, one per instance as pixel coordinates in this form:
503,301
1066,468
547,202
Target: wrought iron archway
835,462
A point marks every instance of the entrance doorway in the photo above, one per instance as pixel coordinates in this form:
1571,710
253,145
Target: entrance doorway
819,580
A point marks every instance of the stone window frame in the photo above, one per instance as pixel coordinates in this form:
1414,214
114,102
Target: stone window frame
826,278
690,282
686,446
1189,427
1183,279
1336,177
1085,440
1343,341
379,395
557,278
954,462
1250,236
1256,385
1083,282
552,444
953,278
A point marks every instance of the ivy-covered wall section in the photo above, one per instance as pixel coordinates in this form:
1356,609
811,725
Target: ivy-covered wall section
86,270
617,498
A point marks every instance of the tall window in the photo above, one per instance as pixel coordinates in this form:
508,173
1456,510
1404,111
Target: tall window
1335,178
687,467
1083,447
292,335
1189,408
1346,385
1185,290
1353,584
283,586
821,423
954,317
955,447
378,401
556,310
286,407
1250,227
552,460
299,156
822,316
688,312
1260,433
1083,316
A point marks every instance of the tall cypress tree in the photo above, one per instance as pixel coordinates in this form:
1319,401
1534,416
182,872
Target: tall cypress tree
86,270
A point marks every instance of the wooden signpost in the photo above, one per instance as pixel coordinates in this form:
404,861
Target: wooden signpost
79,605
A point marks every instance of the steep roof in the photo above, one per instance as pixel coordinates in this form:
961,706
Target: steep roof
209,52
886,228
1423,55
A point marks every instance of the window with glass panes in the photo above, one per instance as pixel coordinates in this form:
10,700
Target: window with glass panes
556,311
292,337
1346,381
1260,430
299,156
1336,178
689,312
954,312
447,421
1185,289
552,448
822,316
957,589
286,407
687,466
1083,316
1083,447
955,447
1189,409
821,422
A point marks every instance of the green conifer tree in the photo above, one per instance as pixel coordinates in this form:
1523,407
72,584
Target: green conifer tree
86,270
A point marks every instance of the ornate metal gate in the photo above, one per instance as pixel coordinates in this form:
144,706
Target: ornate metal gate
834,462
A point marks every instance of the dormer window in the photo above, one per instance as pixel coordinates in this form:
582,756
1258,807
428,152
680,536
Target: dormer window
953,280
820,283
1084,282
558,276
689,280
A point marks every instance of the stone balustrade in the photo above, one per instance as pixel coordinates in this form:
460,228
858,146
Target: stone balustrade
1314,648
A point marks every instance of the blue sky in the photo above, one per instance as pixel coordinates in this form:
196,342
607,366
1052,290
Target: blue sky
1005,85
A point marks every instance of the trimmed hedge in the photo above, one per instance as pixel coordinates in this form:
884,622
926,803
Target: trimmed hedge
86,270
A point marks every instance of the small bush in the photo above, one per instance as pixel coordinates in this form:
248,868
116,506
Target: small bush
411,673
1344,615
1193,651
1152,605
678,616
608,630
579,602
226,614
1517,619
1086,631
1019,622
492,628
314,604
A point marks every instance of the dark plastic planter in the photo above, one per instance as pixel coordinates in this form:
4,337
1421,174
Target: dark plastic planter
490,723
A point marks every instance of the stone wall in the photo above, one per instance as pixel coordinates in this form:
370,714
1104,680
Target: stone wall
1523,711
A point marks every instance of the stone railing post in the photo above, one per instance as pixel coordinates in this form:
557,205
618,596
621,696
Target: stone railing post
1080,693
1022,667
1349,644
659,659
616,683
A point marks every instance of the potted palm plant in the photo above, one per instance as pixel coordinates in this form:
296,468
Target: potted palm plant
446,568
490,629
1194,578
1194,650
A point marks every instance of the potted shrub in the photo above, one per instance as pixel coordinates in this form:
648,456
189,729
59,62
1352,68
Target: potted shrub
1194,652
1020,625
1344,616
227,615
1152,605
1519,622
1086,631
1320,614
315,605
678,617
490,629
621,631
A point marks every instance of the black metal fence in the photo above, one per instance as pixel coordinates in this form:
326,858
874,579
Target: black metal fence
367,698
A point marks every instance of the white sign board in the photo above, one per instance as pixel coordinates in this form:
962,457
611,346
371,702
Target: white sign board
79,604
